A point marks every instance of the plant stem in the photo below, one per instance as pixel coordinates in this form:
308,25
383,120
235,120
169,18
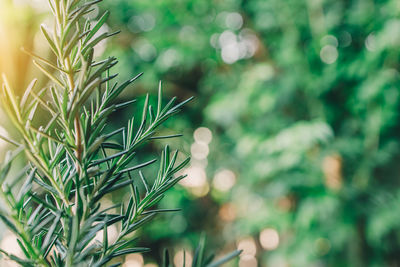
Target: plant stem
77,122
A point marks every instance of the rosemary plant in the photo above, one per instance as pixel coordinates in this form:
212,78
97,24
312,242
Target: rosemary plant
73,161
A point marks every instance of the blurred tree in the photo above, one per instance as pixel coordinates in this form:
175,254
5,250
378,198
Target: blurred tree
302,98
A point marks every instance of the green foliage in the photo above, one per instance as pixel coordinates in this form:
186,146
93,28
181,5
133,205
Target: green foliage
58,211
309,122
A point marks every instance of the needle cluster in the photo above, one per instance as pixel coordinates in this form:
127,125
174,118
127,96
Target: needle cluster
74,163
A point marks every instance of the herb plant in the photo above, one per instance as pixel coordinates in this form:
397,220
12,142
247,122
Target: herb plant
74,163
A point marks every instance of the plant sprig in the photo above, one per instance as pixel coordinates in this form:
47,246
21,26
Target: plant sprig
74,163
70,156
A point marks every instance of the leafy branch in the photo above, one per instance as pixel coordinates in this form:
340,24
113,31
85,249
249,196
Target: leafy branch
69,156
73,161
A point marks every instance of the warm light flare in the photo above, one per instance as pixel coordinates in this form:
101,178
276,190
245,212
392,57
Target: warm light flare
18,27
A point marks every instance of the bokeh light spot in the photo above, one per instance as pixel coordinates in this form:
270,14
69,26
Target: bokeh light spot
248,245
227,212
224,180
202,135
269,239
196,177
247,261
234,21
329,40
345,39
134,260
329,54
370,42
199,151
142,23
322,246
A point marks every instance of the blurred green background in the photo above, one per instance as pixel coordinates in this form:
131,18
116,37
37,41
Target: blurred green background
294,132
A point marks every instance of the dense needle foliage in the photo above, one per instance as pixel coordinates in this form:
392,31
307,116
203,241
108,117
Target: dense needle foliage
55,206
